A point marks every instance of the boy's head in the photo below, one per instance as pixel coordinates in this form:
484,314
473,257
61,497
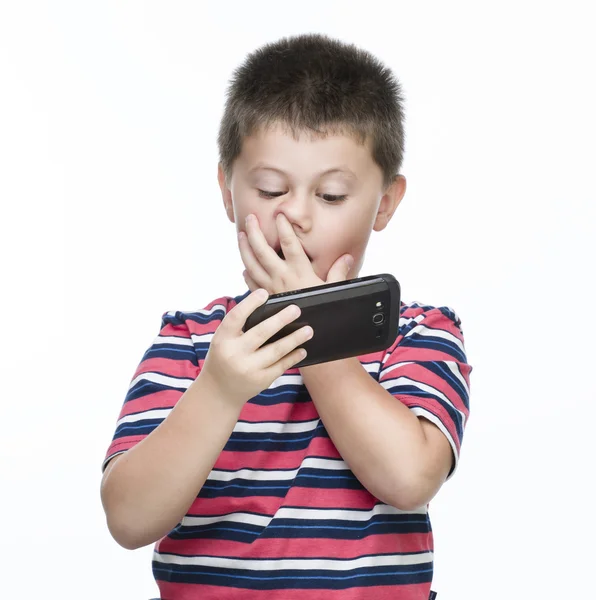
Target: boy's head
313,128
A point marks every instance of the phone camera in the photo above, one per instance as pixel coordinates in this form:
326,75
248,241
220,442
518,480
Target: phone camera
378,318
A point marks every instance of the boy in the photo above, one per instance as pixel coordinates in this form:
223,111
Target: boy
257,479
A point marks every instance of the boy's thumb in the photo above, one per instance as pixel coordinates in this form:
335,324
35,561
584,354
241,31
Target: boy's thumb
339,270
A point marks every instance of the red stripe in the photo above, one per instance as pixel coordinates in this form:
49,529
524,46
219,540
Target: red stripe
124,443
284,411
388,543
296,497
168,366
185,591
434,408
330,498
262,505
155,400
263,459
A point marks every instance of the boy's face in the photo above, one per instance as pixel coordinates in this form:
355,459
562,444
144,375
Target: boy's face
329,189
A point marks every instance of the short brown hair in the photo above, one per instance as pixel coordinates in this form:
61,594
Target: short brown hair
314,83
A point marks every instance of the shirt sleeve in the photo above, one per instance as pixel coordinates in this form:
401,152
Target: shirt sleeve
427,369
165,372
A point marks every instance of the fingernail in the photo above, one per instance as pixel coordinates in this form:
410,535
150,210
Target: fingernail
349,260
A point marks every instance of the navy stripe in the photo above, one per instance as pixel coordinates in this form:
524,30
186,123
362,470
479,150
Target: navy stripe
273,436
235,490
172,352
242,441
293,528
232,531
323,478
239,487
440,369
450,314
144,427
217,314
433,343
410,390
284,394
268,445
295,579
145,388
344,530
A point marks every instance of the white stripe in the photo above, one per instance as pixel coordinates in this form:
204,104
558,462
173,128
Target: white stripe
278,475
203,338
296,379
452,366
395,366
170,339
158,413
402,324
422,412
253,475
306,564
301,514
372,367
274,427
405,321
329,464
286,380
200,311
163,379
396,383
428,332
324,514
239,517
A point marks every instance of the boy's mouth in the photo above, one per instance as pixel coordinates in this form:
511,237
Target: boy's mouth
280,253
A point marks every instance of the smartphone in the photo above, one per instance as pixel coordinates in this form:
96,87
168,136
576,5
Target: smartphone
349,318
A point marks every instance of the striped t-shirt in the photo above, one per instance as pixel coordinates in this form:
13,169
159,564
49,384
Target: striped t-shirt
281,516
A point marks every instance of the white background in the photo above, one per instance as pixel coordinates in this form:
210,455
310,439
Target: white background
111,215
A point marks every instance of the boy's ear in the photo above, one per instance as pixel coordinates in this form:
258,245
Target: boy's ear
226,193
389,202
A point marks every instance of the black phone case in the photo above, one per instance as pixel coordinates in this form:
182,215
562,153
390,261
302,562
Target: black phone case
349,318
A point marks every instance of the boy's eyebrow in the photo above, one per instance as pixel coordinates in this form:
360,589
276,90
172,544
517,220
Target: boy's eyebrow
343,170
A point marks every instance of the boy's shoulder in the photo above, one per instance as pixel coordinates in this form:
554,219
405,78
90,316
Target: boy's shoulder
211,313
416,311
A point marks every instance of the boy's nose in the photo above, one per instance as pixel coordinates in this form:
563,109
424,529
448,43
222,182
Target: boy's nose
298,213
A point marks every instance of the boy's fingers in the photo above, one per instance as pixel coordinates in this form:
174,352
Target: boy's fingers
250,255
246,307
270,326
250,282
290,244
340,269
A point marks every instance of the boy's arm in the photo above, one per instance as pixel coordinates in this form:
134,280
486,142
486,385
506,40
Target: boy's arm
149,488
401,459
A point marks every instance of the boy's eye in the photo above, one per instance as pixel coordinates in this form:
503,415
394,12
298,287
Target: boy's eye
326,197
270,194
333,198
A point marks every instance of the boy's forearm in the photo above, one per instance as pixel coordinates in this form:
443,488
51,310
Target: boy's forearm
380,439
151,486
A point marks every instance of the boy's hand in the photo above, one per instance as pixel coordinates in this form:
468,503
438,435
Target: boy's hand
237,365
265,269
